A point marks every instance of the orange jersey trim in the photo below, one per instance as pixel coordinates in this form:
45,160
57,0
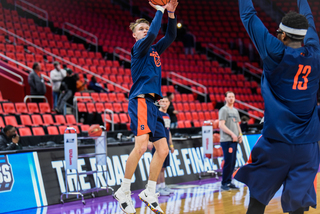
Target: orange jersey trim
142,116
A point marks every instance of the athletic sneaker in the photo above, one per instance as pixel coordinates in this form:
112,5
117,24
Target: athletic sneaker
225,187
125,201
163,192
168,189
232,186
151,200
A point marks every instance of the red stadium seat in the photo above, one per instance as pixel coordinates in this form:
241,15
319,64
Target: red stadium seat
84,128
21,108
181,124
44,108
125,107
11,120
117,107
91,108
187,124
60,119
104,97
123,118
71,119
25,120
48,120
8,108
52,130
37,131
62,129
25,131
36,120
81,107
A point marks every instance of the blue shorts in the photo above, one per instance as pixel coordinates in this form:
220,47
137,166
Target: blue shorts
166,161
146,119
272,164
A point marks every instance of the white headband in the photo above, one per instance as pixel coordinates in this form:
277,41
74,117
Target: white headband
298,32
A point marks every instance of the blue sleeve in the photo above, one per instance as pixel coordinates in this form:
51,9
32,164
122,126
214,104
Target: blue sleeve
312,36
170,36
142,46
269,47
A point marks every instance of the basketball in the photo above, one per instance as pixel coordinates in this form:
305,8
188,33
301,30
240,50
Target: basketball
94,131
160,2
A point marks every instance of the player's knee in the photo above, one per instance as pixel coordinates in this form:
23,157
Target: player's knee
141,150
163,152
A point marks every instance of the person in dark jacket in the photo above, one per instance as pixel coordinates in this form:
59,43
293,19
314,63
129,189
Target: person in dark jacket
9,139
172,112
36,82
94,85
68,88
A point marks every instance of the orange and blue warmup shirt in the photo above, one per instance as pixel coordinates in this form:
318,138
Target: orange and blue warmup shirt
290,79
287,153
145,58
146,76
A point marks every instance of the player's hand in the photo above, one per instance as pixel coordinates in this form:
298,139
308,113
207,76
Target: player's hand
172,149
15,139
234,138
172,5
240,139
150,145
155,6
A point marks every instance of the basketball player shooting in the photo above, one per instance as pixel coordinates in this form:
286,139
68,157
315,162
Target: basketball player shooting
146,120
287,153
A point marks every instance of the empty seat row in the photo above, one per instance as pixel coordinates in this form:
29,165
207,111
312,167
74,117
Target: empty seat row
24,108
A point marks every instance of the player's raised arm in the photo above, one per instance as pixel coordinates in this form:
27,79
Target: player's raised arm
266,44
143,44
171,32
311,36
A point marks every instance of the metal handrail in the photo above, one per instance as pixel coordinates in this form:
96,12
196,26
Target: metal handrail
110,121
249,106
34,96
244,69
14,74
45,18
63,60
119,56
219,55
187,87
75,103
26,67
83,31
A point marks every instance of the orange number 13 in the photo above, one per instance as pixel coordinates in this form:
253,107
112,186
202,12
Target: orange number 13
304,71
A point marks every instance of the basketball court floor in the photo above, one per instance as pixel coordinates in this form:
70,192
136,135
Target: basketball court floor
197,197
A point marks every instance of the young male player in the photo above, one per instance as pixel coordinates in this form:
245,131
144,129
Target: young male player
161,185
287,153
146,121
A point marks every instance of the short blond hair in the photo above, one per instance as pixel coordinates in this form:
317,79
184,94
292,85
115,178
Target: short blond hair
133,25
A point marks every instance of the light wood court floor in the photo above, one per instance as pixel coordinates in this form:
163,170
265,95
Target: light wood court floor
205,200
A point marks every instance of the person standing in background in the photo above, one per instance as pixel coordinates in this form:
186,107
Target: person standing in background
56,75
230,135
36,82
172,112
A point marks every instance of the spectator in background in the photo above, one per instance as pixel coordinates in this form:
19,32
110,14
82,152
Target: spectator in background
68,88
230,136
244,124
9,139
189,42
36,82
56,75
172,113
95,86
81,86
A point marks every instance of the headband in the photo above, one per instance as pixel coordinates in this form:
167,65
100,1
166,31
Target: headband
298,32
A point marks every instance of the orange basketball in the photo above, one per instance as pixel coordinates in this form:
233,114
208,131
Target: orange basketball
216,138
216,124
159,2
94,131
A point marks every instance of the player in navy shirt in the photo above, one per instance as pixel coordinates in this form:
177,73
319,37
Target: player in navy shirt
146,121
287,153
